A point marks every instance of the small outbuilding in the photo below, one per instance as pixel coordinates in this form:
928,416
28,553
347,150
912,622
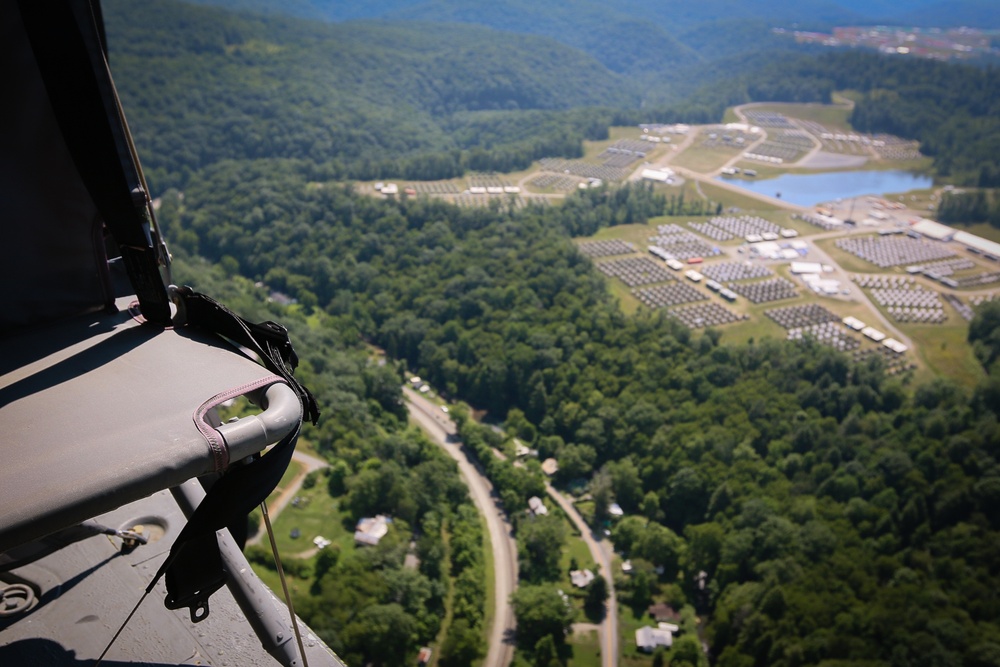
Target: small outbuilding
550,466
663,613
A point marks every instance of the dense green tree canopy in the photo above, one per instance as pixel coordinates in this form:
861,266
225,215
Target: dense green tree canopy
818,496
541,611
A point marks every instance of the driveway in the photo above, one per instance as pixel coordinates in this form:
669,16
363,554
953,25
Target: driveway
600,553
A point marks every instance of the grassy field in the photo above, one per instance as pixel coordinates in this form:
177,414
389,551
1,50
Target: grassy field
945,352
491,584
833,117
294,468
626,301
316,514
638,234
575,549
704,159
746,203
586,647
758,326
941,349
764,171
307,447
787,219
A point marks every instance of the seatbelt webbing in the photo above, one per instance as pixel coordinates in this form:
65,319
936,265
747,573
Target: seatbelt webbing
193,569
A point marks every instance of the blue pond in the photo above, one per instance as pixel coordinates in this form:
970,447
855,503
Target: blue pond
812,189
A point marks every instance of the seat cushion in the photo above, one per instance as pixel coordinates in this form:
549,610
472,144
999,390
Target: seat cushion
101,410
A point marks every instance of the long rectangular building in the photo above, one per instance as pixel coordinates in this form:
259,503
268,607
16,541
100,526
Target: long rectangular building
978,243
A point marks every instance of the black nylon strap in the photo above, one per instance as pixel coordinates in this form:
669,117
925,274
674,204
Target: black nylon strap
269,340
78,86
193,569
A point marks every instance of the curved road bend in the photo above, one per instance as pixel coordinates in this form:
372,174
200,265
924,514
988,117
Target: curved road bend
441,429
608,626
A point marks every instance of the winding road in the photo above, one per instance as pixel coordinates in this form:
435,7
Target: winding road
442,430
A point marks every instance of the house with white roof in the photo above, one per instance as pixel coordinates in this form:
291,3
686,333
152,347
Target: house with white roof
371,530
648,638
581,578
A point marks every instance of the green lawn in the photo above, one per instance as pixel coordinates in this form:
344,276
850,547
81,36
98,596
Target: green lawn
626,300
316,514
763,170
491,584
638,234
940,349
586,647
746,203
307,447
449,600
574,549
831,116
945,351
628,623
704,159
586,509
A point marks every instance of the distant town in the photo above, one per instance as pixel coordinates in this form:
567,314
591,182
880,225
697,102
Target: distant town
933,43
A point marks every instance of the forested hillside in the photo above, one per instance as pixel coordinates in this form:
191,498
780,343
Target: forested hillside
363,602
668,14
839,515
621,42
430,101
360,101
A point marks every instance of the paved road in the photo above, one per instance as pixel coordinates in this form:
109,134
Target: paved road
442,430
598,551
856,292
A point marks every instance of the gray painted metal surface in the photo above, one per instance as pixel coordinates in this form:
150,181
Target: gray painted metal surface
84,592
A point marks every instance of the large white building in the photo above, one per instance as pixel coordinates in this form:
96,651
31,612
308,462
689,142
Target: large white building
978,244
